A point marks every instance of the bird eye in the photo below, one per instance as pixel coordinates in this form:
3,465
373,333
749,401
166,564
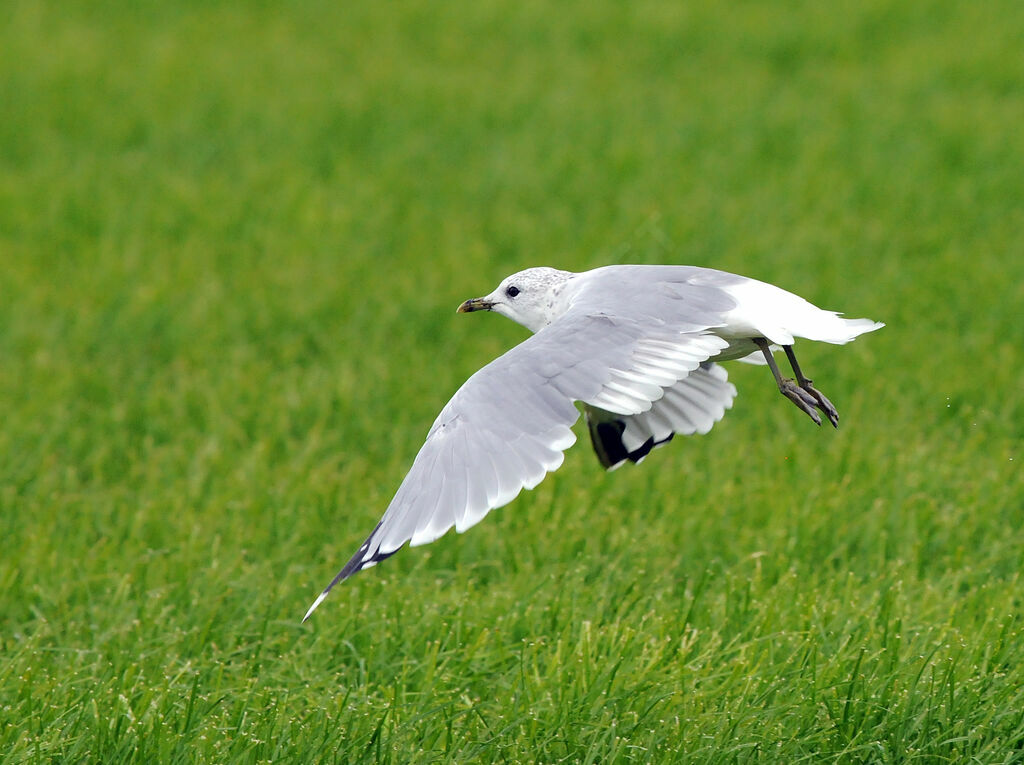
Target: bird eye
512,291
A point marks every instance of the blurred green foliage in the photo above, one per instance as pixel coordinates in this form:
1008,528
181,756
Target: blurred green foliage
232,239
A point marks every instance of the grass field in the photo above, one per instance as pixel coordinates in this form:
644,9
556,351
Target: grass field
232,239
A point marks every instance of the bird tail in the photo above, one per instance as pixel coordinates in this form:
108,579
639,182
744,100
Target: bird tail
836,329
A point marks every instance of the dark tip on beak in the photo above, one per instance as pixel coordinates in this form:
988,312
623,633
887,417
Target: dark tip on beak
476,304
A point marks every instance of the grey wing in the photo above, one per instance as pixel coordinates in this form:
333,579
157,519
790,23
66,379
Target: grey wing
693,405
508,425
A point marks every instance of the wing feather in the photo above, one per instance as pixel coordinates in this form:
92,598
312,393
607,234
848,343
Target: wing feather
692,405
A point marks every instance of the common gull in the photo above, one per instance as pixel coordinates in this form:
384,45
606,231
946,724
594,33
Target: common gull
636,345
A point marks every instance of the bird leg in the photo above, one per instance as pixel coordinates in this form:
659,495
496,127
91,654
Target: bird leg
799,391
821,401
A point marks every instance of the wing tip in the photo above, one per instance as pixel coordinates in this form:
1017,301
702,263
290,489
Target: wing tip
320,599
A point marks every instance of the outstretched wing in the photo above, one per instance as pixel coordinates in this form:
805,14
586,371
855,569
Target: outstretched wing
508,425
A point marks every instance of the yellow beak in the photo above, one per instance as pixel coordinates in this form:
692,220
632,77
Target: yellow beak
476,304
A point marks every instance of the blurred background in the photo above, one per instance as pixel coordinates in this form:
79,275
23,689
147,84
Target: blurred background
232,240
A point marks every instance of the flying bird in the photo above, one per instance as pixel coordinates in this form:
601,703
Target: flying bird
638,346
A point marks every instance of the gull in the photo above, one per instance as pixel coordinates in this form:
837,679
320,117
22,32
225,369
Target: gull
637,346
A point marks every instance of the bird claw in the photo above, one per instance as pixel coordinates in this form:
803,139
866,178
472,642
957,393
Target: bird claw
822,402
804,400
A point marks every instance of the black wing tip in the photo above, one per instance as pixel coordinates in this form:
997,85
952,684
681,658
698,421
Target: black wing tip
645,448
607,440
611,452
356,563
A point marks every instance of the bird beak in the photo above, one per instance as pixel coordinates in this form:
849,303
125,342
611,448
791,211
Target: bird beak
476,304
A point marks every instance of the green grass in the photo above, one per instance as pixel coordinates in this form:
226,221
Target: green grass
232,240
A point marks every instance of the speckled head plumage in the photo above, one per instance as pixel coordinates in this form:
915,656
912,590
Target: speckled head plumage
533,298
